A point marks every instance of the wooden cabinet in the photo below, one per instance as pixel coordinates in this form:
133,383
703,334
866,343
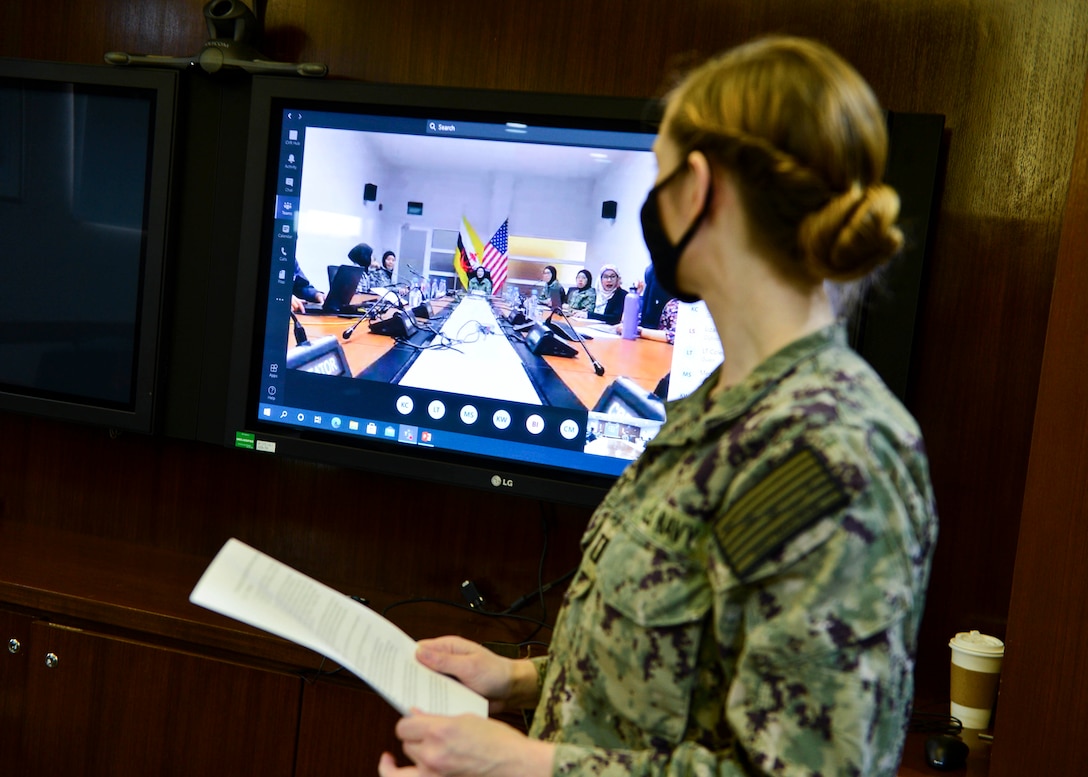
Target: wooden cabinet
343,729
14,642
116,673
76,702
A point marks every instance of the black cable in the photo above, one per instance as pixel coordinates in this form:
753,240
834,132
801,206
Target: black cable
427,600
300,333
540,570
524,600
934,723
540,567
510,612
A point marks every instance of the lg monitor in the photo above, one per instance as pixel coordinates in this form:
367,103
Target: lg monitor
453,360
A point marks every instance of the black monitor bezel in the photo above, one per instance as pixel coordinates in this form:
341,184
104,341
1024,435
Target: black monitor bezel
268,95
139,415
916,141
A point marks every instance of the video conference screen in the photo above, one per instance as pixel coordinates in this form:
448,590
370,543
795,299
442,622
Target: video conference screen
455,342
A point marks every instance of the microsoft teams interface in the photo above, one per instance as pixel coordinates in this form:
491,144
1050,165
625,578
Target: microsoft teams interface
453,342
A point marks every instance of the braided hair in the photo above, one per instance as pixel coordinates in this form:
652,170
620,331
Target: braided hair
805,140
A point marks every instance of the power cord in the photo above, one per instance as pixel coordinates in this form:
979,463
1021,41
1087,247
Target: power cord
429,600
475,602
934,723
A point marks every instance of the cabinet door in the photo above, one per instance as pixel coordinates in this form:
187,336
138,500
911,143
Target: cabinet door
343,731
14,645
108,706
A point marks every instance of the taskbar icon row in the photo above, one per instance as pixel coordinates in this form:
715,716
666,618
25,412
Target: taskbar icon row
362,427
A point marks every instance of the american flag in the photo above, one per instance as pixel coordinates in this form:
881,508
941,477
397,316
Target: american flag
495,255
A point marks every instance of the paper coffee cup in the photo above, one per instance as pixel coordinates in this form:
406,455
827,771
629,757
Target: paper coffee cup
976,668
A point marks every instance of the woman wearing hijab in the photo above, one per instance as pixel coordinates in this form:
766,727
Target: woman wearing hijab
582,296
480,280
551,285
363,255
609,305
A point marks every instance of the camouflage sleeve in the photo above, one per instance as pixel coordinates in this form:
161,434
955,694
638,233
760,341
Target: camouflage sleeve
822,688
541,664
686,760
824,676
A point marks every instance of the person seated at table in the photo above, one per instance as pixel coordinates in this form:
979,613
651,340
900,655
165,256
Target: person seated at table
480,280
302,291
581,296
381,271
363,255
653,299
665,331
388,266
551,285
608,306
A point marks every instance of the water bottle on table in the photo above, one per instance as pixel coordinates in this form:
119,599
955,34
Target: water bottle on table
632,306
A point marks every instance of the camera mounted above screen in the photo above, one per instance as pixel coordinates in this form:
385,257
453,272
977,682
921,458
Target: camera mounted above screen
233,30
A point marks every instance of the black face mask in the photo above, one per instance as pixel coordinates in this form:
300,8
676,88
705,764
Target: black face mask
664,255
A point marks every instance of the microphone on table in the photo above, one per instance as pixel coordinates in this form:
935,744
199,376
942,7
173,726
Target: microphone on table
300,332
597,366
373,310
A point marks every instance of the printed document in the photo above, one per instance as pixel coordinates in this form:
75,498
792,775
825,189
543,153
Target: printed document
254,588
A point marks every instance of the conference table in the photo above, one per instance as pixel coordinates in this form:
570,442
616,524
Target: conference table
469,346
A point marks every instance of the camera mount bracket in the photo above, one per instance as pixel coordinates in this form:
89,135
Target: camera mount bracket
233,30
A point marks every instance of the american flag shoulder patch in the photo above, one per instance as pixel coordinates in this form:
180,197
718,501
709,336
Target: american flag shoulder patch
795,494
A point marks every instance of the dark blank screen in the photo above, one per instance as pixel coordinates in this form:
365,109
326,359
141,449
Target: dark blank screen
73,192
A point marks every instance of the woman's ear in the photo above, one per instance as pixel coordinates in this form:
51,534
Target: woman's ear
701,180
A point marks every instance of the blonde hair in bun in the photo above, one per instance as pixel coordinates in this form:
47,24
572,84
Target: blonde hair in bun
805,140
853,234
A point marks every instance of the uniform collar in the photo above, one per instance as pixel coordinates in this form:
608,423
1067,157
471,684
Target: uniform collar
691,417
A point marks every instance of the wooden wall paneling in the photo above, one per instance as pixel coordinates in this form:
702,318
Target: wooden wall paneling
383,538
982,322
84,32
1041,709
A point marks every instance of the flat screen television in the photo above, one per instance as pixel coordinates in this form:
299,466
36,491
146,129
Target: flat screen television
417,370
85,169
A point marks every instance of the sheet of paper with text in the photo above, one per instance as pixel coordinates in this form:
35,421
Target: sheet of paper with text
254,588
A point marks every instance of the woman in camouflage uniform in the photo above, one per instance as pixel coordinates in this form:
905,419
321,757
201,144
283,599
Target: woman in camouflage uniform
582,296
750,591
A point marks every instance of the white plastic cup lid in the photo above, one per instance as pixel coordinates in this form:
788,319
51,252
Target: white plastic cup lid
977,643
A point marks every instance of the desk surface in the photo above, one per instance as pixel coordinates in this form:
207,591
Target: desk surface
914,759
644,361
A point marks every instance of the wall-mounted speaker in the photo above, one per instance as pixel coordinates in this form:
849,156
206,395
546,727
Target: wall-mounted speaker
370,192
608,209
